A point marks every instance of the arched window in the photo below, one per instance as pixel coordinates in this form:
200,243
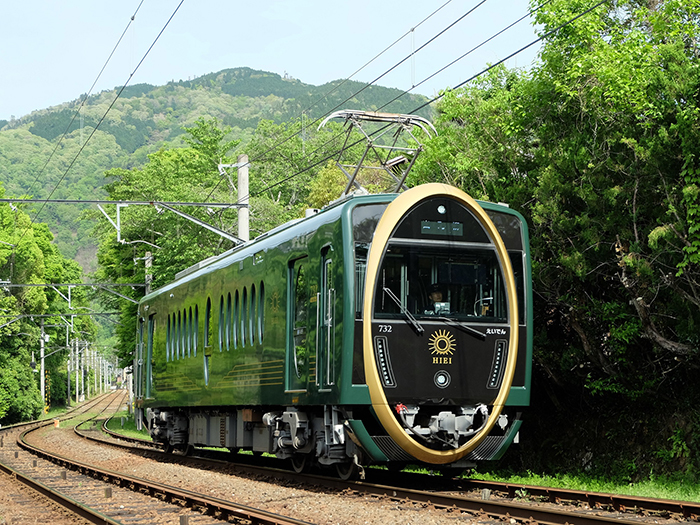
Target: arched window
261,312
236,317
195,334
190,332
222,324
229,313
207,324
252,316
244,314
178,344
167,339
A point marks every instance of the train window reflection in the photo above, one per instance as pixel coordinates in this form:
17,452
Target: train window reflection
451,281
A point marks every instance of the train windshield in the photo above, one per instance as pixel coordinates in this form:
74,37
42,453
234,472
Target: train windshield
441,280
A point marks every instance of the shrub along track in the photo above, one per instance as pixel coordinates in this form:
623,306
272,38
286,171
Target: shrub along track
102,496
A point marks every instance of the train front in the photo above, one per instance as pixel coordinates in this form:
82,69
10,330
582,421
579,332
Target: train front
440,323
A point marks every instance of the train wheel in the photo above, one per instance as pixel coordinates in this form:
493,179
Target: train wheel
347,471
168,448
299,462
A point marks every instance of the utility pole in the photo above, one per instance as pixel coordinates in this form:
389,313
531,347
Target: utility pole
42,370
244,199
82,373
148,263
68,370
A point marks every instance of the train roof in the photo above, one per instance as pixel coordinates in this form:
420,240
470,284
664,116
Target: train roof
310,222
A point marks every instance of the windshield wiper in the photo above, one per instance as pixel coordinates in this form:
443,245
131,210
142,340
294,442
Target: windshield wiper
471,331
409,317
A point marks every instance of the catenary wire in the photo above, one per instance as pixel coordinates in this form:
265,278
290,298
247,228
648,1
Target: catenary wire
438,97
367,85
345,80
131,75
82,103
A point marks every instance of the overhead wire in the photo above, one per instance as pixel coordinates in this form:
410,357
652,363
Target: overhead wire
367,85
131,75
82,103
441,95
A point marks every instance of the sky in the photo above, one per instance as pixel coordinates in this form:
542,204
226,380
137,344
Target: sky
52,51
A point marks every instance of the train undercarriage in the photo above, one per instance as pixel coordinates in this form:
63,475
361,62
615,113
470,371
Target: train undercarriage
321,436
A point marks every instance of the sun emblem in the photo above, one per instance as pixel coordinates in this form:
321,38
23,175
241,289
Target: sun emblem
441,342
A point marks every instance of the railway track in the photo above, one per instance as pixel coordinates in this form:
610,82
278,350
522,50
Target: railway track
458,499
101,496
544,505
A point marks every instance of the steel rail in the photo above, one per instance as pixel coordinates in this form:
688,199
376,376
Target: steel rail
493,508
215,506
70,504
56,497
619,502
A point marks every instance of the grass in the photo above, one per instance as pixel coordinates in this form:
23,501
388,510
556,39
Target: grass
663,488
128,429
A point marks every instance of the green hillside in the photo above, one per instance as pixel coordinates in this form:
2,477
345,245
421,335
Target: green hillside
147,117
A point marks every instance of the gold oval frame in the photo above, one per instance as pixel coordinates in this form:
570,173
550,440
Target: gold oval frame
395,211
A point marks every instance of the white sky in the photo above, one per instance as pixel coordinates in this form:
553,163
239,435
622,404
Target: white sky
51,51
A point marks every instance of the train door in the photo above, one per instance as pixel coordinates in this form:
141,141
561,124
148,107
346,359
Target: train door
139,362
149,357
297,358
325,322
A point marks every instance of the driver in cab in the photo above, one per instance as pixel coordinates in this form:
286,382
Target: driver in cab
437,306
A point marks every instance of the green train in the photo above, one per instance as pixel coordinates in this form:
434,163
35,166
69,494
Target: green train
383,329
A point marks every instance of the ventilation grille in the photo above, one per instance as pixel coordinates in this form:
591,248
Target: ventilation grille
488,448
391,450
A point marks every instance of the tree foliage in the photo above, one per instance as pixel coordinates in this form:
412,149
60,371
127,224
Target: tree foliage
597,145
29,256
279,187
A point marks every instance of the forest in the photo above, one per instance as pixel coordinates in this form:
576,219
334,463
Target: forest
596,144
146,118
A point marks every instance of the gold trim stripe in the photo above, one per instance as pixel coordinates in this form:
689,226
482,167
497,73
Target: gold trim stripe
396,210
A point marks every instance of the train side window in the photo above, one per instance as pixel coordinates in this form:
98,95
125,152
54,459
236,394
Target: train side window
261,312
178,336
207,324
167,340
228,322
236,316
185,334
195,335
222,324
251,314
188,313
244,314
149,355
300,313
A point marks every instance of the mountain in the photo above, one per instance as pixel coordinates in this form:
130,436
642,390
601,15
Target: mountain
35,161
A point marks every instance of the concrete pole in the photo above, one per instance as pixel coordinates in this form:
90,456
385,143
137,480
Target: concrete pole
243,198
82,373
148,263
95,368
42,370
68,369
77,370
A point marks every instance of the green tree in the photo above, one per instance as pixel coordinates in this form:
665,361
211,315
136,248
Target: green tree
29,256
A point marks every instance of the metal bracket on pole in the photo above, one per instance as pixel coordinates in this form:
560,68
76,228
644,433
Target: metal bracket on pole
118,294
203,224
117,225
385,151
70,307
